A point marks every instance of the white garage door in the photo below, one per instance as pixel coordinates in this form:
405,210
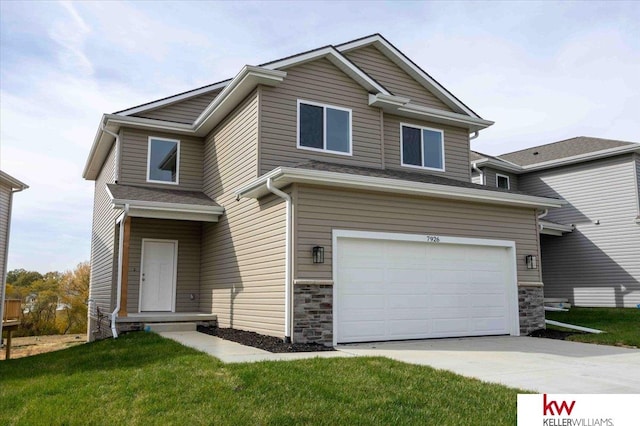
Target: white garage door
394,289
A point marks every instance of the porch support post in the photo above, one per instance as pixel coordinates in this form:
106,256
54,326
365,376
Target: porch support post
125,266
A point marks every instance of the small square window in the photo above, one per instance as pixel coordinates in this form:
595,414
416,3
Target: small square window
422,147
163,160
502,181
324,128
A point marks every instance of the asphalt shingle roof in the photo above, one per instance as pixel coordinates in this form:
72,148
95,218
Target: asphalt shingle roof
562,149
160,195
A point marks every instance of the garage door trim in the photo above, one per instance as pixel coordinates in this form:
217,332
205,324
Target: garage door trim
512,291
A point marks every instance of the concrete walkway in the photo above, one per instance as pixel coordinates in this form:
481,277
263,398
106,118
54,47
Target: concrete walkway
230,352
541,365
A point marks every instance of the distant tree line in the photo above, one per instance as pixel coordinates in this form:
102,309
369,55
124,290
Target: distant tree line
53,303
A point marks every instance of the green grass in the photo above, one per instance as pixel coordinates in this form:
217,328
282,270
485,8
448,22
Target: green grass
143,379
622,325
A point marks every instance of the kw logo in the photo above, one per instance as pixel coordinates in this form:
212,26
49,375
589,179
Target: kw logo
548,407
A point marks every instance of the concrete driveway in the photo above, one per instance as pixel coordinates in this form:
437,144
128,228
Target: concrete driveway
536,364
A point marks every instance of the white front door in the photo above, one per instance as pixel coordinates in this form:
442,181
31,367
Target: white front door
158,275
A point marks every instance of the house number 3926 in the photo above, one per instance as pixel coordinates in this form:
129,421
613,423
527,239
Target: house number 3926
433,239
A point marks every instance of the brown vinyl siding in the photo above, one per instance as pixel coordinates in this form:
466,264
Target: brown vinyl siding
456,148
318,81
5,209
133,161
491,179
188,234
243,255
185,111
103,240
595,265
319,210
392,77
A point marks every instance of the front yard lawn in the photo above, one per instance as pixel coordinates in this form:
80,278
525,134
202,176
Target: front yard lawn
143,379
622,325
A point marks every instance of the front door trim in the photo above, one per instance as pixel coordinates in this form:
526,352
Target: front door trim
175,271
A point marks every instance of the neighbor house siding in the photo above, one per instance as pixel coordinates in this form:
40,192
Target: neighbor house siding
456,148
243,255
133,161
491,179
596,264
5,215
188,234
318,81
103,240
184,111
319,210
393,78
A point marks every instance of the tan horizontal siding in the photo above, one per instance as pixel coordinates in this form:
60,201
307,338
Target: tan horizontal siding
395,79
456,148
317,81
320,210
103,240
133,161
188,234
491,179
242,272
185,111
595,265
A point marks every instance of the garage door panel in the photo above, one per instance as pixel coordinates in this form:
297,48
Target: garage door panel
411,290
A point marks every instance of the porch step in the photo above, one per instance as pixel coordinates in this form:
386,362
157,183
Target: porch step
160,327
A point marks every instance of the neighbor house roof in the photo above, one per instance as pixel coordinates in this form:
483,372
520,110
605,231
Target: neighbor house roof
562,149
271,74
12,182
393,181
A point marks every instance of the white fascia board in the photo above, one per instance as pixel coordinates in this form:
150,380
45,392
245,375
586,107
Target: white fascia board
177,207
12,182
336,59
173,214
283,176
583,157
173,99
98,152
395,105
241,85
410,68
496,164
551,228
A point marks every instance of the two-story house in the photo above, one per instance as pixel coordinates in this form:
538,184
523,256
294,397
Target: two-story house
324,197
590,247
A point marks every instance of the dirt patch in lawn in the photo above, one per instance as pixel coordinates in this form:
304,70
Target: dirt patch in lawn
33,345
553,334
260,341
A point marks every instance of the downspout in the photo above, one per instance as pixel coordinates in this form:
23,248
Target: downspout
3,284
287,262
475,167
114,314
546,212
474,135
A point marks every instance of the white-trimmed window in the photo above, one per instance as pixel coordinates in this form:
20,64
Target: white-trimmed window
163,160
421,147
502,181
324,128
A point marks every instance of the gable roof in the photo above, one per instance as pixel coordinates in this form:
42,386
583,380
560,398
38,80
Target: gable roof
271,74
564,149
14,183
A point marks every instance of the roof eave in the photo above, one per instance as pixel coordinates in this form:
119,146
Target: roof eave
283,176
509,167
14,183
582,157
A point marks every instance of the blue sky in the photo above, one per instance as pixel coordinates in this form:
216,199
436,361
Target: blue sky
542,71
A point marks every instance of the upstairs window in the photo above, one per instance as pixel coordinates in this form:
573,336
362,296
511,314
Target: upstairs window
163,158
422,147
324,128
502,181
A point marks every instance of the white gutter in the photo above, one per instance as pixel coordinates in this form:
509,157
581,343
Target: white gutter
114,314
287,262
474,166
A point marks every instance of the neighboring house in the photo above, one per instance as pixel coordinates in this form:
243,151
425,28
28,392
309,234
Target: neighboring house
591,247
324,197
8,185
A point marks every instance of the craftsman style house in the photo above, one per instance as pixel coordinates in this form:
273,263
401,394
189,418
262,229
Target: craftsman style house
591,247
325,197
